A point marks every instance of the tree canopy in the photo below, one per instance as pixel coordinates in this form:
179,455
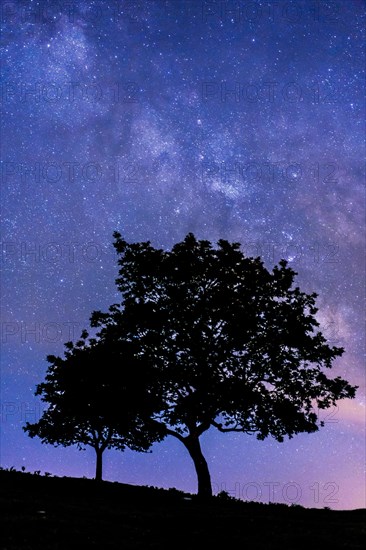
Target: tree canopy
226,343
94,398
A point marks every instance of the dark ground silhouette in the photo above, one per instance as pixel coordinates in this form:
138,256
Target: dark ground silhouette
58,513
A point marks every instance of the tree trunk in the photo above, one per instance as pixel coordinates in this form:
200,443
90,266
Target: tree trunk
203,474
98,469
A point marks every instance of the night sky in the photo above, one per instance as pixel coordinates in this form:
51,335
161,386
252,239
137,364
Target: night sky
236,120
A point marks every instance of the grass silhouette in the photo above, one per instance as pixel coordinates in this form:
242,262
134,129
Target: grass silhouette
60,512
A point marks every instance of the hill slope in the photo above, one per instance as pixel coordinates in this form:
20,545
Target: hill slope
58,513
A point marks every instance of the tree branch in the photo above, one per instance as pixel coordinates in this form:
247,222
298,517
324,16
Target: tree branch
175,434
203,427
168,431
234,429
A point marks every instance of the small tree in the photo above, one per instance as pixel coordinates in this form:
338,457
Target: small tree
227,343
91,403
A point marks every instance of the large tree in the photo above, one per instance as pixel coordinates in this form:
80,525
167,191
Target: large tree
227,343
96,397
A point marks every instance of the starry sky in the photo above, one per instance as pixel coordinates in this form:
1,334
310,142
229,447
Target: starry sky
236,120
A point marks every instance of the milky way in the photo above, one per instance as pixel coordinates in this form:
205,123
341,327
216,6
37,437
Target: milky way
236,120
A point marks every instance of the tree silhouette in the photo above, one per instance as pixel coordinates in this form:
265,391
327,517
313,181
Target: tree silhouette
93,403
225,342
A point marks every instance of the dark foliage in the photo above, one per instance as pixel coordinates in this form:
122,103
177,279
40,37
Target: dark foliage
95,398
225,342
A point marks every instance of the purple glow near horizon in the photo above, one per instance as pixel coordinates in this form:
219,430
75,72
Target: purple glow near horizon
237,120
